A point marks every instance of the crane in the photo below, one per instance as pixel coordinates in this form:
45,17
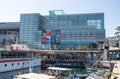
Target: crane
11,35
106,48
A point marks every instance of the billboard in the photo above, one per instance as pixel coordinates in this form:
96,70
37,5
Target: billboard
55,37
48,32
48,36
43,37
51,36
48,39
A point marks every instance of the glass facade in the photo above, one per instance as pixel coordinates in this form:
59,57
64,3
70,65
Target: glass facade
29,30
62,31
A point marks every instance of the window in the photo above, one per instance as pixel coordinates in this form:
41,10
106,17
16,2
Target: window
99,24
94,24
5,65
12,64
91,23
23,63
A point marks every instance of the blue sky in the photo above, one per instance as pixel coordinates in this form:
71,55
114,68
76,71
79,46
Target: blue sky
10,10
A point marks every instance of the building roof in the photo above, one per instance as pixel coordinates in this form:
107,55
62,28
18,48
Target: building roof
59,68
9,25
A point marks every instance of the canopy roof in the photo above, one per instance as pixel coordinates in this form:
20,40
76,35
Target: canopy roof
59,68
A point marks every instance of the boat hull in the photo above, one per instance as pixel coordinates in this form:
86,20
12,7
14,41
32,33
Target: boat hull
15,64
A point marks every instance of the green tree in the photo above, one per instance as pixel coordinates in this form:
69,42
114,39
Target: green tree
117,33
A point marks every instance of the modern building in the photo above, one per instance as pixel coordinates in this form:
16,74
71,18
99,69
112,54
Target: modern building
62,31
8,32
66,33
29,29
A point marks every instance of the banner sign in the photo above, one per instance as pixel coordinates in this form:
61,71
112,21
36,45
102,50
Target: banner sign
51,36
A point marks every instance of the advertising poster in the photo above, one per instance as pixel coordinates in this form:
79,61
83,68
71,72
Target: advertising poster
43,37
57,36
57,39
48,36
48,32
53,41
48,39
53,36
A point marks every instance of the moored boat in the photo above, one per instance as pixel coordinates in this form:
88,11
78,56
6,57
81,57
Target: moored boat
18,56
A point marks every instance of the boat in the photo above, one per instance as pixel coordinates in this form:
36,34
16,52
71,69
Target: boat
66,73
58,70
99,74
18,56
33,76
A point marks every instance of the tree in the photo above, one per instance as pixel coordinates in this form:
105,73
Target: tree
117,33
